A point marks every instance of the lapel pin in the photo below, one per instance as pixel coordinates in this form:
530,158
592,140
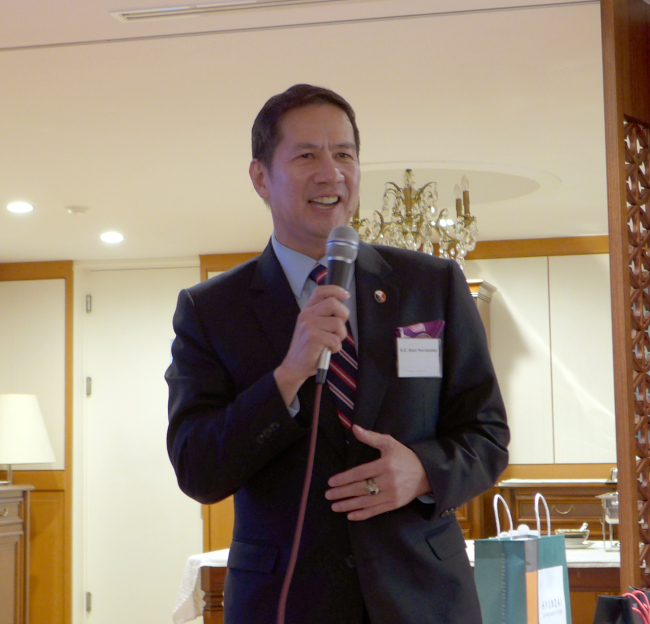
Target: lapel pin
380,296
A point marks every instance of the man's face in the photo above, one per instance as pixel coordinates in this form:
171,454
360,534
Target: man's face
313,183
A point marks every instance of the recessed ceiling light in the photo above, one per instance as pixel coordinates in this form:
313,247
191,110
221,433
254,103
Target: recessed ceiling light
75,210
112,237
19,207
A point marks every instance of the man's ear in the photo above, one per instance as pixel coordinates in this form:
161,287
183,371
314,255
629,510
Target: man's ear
259,177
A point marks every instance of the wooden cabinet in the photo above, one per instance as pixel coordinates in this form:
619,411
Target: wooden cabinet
570,503
475,517
14,554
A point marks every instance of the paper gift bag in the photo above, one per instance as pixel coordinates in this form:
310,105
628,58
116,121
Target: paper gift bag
522,578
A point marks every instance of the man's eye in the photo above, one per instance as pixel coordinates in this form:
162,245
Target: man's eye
306,155
344,155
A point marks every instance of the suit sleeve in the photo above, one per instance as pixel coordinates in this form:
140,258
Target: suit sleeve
219,435
469,450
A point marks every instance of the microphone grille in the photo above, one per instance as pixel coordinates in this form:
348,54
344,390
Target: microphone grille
343,244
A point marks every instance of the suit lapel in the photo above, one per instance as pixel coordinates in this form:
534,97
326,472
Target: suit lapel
276,310
376,324
273,301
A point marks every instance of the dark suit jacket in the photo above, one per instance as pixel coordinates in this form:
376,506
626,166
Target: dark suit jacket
230,433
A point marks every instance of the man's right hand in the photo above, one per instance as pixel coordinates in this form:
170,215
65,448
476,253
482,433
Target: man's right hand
321,324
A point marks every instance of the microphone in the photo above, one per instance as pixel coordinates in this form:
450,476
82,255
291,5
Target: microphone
342,249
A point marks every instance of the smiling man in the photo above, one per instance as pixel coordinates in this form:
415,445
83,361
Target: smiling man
312,182
395,456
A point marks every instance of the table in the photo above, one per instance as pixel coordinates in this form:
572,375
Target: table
202,588
592,571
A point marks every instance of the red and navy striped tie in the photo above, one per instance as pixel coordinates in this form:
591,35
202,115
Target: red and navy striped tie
342,375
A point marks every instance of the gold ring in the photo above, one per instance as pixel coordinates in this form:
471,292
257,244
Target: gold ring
371,487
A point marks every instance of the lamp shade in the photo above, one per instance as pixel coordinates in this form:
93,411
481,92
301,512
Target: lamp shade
23,436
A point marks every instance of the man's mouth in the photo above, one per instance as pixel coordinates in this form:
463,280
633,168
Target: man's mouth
326,201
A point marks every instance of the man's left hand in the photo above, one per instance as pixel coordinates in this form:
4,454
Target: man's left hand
398,473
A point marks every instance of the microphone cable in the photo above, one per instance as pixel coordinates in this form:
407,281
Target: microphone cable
303,506
342,248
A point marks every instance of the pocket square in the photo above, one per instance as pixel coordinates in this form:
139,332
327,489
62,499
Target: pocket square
429,329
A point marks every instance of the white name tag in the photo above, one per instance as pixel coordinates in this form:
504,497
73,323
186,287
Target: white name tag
419,357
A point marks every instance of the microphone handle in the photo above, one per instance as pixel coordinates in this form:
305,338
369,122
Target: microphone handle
323,366
339,273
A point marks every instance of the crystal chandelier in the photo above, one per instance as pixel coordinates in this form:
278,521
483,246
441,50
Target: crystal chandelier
410,219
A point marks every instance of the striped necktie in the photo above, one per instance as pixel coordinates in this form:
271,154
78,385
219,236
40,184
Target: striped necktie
342,374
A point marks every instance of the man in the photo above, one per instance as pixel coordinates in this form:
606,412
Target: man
380,543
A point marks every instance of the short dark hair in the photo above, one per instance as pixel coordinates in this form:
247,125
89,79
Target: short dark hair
266,128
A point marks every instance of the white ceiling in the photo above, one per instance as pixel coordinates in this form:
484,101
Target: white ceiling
148,124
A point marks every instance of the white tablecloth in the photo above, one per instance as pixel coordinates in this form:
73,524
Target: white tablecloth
190,603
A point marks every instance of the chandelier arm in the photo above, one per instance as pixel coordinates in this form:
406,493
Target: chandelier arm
443,233
382,226
391,187
418,194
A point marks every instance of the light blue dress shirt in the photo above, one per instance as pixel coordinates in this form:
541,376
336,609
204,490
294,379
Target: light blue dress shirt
297,267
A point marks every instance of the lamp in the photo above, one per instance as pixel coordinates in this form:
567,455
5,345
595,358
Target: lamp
23,436
410,219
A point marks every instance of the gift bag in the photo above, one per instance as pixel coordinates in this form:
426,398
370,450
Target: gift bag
522,577
631,608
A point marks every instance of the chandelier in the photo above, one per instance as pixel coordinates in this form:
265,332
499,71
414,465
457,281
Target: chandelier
410,219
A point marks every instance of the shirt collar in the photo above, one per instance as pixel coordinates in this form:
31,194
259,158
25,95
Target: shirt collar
296,266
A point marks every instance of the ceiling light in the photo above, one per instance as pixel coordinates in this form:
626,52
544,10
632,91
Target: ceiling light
75,210
410,219
19,207
112,237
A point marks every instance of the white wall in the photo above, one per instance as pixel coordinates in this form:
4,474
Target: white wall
552,350
32,353
582,362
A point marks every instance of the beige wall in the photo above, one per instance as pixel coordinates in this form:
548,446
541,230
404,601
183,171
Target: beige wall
32,353
552,349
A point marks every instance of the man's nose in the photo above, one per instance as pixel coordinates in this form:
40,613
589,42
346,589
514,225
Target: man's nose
329,171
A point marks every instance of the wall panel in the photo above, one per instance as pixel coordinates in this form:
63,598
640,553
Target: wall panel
519,325
32,352
36,358
582,366
47,574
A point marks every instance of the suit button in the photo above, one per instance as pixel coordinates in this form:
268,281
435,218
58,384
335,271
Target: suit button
349,560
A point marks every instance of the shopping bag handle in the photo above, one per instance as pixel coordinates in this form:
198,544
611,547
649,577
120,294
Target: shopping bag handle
497,498
539,497
642,606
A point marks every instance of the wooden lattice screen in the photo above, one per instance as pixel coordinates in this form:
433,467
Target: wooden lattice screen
637,162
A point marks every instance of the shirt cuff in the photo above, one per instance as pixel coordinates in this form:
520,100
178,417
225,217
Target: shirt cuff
294,407
427,499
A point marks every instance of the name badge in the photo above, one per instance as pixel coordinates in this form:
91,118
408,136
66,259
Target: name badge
419,357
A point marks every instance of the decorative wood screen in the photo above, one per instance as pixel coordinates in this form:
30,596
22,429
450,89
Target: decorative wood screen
637,162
